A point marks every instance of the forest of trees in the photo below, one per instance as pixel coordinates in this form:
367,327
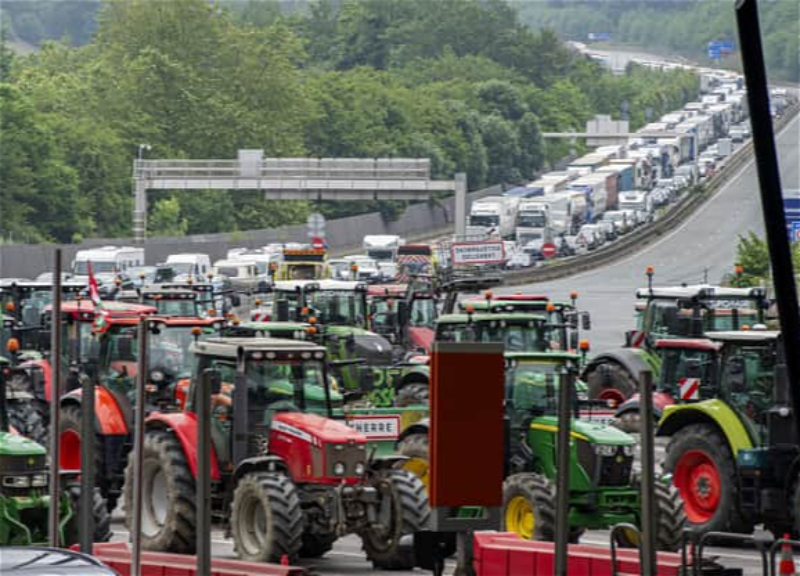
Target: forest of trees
462,82
682,27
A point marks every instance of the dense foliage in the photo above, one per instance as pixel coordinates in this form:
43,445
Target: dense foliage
462,82
682,27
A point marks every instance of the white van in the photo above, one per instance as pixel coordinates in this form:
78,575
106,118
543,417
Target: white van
106,261
186,265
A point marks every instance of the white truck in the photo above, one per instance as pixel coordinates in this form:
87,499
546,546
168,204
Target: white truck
382,247
533,220
106,262
194,266
568,211
493,216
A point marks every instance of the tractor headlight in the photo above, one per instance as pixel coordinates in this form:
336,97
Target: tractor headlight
16,481
338,469
39,480
156,376
360,469
628,450
605,449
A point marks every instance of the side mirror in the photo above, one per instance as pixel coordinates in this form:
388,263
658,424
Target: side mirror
214,379
586,321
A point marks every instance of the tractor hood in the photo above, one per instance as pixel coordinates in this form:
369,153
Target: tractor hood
315,429
15,445
421,338
590,431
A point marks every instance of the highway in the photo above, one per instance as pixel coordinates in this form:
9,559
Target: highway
704,246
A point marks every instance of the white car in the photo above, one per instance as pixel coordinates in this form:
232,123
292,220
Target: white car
620,219
589,237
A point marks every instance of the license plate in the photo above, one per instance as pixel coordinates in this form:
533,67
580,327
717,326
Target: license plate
598,416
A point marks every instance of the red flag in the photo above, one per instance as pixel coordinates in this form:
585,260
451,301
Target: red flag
94,292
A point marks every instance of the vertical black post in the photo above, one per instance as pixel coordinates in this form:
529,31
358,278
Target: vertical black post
203,535
55,420
240,416
138,447
86,519
565,385
3,413
771,192
647,486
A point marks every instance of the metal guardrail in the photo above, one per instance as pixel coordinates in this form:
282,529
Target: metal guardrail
645,235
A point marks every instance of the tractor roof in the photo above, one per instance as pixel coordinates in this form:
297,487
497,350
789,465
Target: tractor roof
487,317
755,336
699,291
115,309
387,290
229,347
543,356
701,344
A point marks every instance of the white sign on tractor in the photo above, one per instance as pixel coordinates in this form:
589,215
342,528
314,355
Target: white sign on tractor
465,253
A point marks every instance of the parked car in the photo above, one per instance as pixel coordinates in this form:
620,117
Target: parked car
589,236
609,230
38,561
620,219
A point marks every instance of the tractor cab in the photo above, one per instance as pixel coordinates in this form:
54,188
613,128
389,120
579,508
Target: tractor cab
405,314
518,332
173,301
303,264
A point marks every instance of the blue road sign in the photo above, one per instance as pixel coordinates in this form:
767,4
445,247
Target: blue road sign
727,46
715,53
795,235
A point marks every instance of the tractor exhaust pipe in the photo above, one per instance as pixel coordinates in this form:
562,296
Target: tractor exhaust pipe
769,179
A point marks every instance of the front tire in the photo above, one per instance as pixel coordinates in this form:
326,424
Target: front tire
266,519
100,514
416,448
402,510
169,513
529,507
704,472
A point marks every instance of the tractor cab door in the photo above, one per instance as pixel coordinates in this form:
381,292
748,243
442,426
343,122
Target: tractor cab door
747,384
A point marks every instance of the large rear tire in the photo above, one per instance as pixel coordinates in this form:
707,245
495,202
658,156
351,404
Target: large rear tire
266,519
611,381
69,431
27,417
529,506
414,394
169,513
416,448
100,514
704,472
403,510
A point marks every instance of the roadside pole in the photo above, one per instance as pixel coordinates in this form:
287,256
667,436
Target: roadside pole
565,385
138,449
203,536
647,485
55,353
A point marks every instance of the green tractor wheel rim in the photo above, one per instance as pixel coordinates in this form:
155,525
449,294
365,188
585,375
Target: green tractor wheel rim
520,518
698,481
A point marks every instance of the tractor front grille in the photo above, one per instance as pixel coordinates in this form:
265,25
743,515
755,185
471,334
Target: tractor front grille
615,470
22,464
348,454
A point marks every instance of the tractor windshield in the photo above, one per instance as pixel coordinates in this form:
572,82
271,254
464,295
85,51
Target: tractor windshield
303,271
182,307
274,384
748,381
679,363
517,336
532,386
423,313
339,307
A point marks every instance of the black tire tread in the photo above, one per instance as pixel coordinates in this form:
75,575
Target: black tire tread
100,514
287,516
27,417
670,517
621,380
413,394
179,532
541,493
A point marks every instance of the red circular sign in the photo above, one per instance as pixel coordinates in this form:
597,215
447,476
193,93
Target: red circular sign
548,250
317,243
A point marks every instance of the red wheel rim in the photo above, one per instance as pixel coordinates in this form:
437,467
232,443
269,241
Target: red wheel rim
611,394
69,452
697,479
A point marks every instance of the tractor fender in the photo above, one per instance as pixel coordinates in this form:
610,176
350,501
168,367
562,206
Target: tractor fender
267,463
416,374
109,417
714,412
660,401
632,359
420,427
184,427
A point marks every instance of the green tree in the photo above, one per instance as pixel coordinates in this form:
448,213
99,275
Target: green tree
165,219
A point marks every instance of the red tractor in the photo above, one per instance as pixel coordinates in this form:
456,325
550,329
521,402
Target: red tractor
113,366
404,314
284,483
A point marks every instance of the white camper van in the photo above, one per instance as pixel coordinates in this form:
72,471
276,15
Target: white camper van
106,262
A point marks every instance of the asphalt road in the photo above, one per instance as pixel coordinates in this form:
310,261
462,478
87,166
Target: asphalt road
702,247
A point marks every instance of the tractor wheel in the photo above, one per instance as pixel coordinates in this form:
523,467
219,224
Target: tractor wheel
611,381
169,513
69,432
415,448
27,417
316,545
529,506
402,510
704,472
413,394
100,514
266,519
670,517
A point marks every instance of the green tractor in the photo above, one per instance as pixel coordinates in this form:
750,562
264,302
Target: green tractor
604,488
733,454
24,497
361,360
673,312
